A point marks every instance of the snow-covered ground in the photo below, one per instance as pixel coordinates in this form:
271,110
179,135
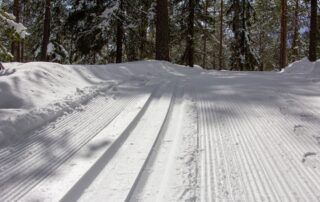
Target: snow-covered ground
154,131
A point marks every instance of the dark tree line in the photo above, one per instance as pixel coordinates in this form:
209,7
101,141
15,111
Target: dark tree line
217,34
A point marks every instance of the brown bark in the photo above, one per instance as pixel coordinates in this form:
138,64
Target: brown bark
283,35
313,32
162,30
204,58
46,31
190,34
15,46
221,36
120,34
143,30
1,66
295,43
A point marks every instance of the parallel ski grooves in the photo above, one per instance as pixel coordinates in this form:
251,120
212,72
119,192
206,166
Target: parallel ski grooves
260,164
21,185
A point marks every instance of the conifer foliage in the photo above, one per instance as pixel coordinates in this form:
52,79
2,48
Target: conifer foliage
216,34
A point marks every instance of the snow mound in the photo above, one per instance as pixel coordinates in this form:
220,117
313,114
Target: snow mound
305,67
35,93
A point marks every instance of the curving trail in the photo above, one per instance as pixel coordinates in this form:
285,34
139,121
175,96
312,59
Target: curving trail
186,135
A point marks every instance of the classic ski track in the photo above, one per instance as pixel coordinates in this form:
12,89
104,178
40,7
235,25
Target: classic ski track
9,192
142,174
87,179
254,155
153,156
62,121
29,181
74,117
70,197
35,133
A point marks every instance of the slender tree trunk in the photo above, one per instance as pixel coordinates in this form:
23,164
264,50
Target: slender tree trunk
120,33
204,58
261,49
190,36
143,29
221,36
283,35
15,46
243,36
46,31
22,51
162,30
313,32
295,48
237,65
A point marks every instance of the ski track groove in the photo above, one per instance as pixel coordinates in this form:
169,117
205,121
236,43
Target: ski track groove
254,154
155,147
279,159
294,167
251,145
63,120
216,120
297,165
73,193
31,143
29,181
9,192
276,170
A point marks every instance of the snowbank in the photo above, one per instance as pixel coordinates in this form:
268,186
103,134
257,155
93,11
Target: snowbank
33,94
304,67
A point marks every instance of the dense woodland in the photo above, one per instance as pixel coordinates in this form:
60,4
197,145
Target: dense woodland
215,34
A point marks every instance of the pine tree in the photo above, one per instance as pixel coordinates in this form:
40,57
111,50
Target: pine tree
9,31
162,30
15,46
190,34
46,31
313,32
221,35
296,35
283,35
119,32
243,56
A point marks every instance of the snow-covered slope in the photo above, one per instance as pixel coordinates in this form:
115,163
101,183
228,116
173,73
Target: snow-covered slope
35,93
305,67
154,131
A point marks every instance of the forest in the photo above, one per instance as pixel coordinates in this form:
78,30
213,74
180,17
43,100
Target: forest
159,100
214,34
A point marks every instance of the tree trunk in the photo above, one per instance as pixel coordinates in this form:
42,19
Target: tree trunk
190,34
46,31
204,58
313,32
1,66
143,29
283,35
162,30
15,46
120,33
295,43
243,36
221,36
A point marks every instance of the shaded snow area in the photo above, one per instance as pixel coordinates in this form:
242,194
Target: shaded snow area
154,131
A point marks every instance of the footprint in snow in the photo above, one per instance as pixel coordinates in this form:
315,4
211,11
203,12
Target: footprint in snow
311,159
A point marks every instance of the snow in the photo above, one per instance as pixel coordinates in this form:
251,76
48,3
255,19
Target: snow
19,28
153,130
304,67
